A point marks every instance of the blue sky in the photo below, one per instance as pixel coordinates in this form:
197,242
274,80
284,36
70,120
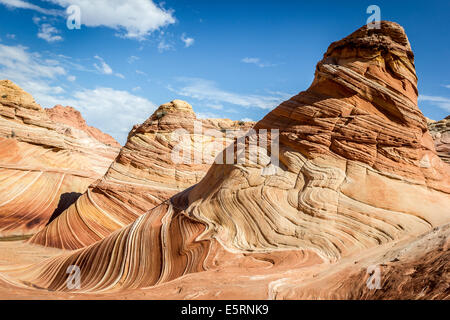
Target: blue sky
231,59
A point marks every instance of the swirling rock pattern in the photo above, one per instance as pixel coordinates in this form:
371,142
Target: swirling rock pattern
355,156
143,176
40,160
440,131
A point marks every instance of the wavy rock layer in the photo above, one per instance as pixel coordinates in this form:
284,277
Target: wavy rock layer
440,131
143,176
355,157
43,164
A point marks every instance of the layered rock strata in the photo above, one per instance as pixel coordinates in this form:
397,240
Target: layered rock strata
145,173
440,131
357,170
43,164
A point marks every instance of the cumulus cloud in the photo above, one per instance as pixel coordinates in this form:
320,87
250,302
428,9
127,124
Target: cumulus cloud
441,102
128,109
206,90
187,40
42,77
132,18
49,33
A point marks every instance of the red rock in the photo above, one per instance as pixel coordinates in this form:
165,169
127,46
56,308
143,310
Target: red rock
358,180
43,164
440,131
142,177
72,117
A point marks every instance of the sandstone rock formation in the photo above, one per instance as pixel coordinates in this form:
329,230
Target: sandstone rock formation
440,131
358,174
143,176
72,117
43,164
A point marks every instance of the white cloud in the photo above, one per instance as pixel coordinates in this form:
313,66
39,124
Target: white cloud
132,18
128,109
71,78
103,67
17,62
11,36
215,106
164,46
42,78
257,61
48,33
187,41
207,115
251,60
247,119
206,90
132,59
441,102
19,4
447,86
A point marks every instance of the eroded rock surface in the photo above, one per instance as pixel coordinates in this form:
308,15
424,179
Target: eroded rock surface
42,163
358,172
440,131
73,118
142,177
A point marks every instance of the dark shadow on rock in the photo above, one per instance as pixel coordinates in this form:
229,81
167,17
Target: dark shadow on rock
65,201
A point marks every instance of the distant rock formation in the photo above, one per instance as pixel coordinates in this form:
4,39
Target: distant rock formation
142,177
40,161
72,117
358,172
440,131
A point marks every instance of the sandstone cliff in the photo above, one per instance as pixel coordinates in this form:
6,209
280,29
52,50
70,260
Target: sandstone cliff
44,165
73,118
440,131
358,175
142,177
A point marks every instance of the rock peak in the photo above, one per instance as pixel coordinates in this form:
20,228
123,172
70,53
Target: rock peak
11,93
390,36
175,106
72,117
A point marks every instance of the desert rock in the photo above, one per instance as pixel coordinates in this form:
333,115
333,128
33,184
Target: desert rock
43,164
73,118
355,155
142,177
440,131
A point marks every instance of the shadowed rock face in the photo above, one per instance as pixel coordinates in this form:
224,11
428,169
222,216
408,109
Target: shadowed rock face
39,161
142,177
440,131
355,156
